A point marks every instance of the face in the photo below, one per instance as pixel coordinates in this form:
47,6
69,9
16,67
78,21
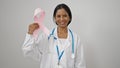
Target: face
62,18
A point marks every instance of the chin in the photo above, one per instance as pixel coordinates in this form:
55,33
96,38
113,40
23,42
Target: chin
63,26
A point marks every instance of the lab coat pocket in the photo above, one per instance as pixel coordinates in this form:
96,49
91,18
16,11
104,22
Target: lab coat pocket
70,62
46,60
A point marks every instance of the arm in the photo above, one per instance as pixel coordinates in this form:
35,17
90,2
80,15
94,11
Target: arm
33,47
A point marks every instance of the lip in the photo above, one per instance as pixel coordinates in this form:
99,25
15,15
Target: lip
62,22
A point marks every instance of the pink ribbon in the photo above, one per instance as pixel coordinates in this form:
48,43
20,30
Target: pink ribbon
39,15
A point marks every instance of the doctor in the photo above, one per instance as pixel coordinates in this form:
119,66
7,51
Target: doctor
61,49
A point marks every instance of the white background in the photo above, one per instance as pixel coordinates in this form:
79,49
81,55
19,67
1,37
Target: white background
97,22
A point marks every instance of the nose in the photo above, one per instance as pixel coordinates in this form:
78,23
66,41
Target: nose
61,18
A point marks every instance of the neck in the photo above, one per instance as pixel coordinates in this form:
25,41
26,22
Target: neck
62,30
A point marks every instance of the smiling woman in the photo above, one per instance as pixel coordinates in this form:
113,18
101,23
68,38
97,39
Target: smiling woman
62,16
61,49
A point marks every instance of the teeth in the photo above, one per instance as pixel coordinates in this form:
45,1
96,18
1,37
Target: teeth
62,22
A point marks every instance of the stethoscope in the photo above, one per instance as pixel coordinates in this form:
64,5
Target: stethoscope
57,49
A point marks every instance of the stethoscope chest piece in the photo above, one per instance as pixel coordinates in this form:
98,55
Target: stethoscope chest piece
73,56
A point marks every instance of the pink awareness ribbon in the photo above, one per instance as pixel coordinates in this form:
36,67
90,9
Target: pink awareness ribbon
39,15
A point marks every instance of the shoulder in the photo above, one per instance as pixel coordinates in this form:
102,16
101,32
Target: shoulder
75,35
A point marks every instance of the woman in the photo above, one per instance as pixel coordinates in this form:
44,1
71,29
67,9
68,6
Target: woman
61,49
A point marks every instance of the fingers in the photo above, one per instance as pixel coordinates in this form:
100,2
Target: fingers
33,27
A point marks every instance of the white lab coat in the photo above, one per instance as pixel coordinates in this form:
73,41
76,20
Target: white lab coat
44,51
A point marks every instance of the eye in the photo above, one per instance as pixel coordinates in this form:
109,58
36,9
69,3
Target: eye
58,16
65,15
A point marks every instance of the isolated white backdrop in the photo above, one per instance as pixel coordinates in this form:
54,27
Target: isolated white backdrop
96,21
